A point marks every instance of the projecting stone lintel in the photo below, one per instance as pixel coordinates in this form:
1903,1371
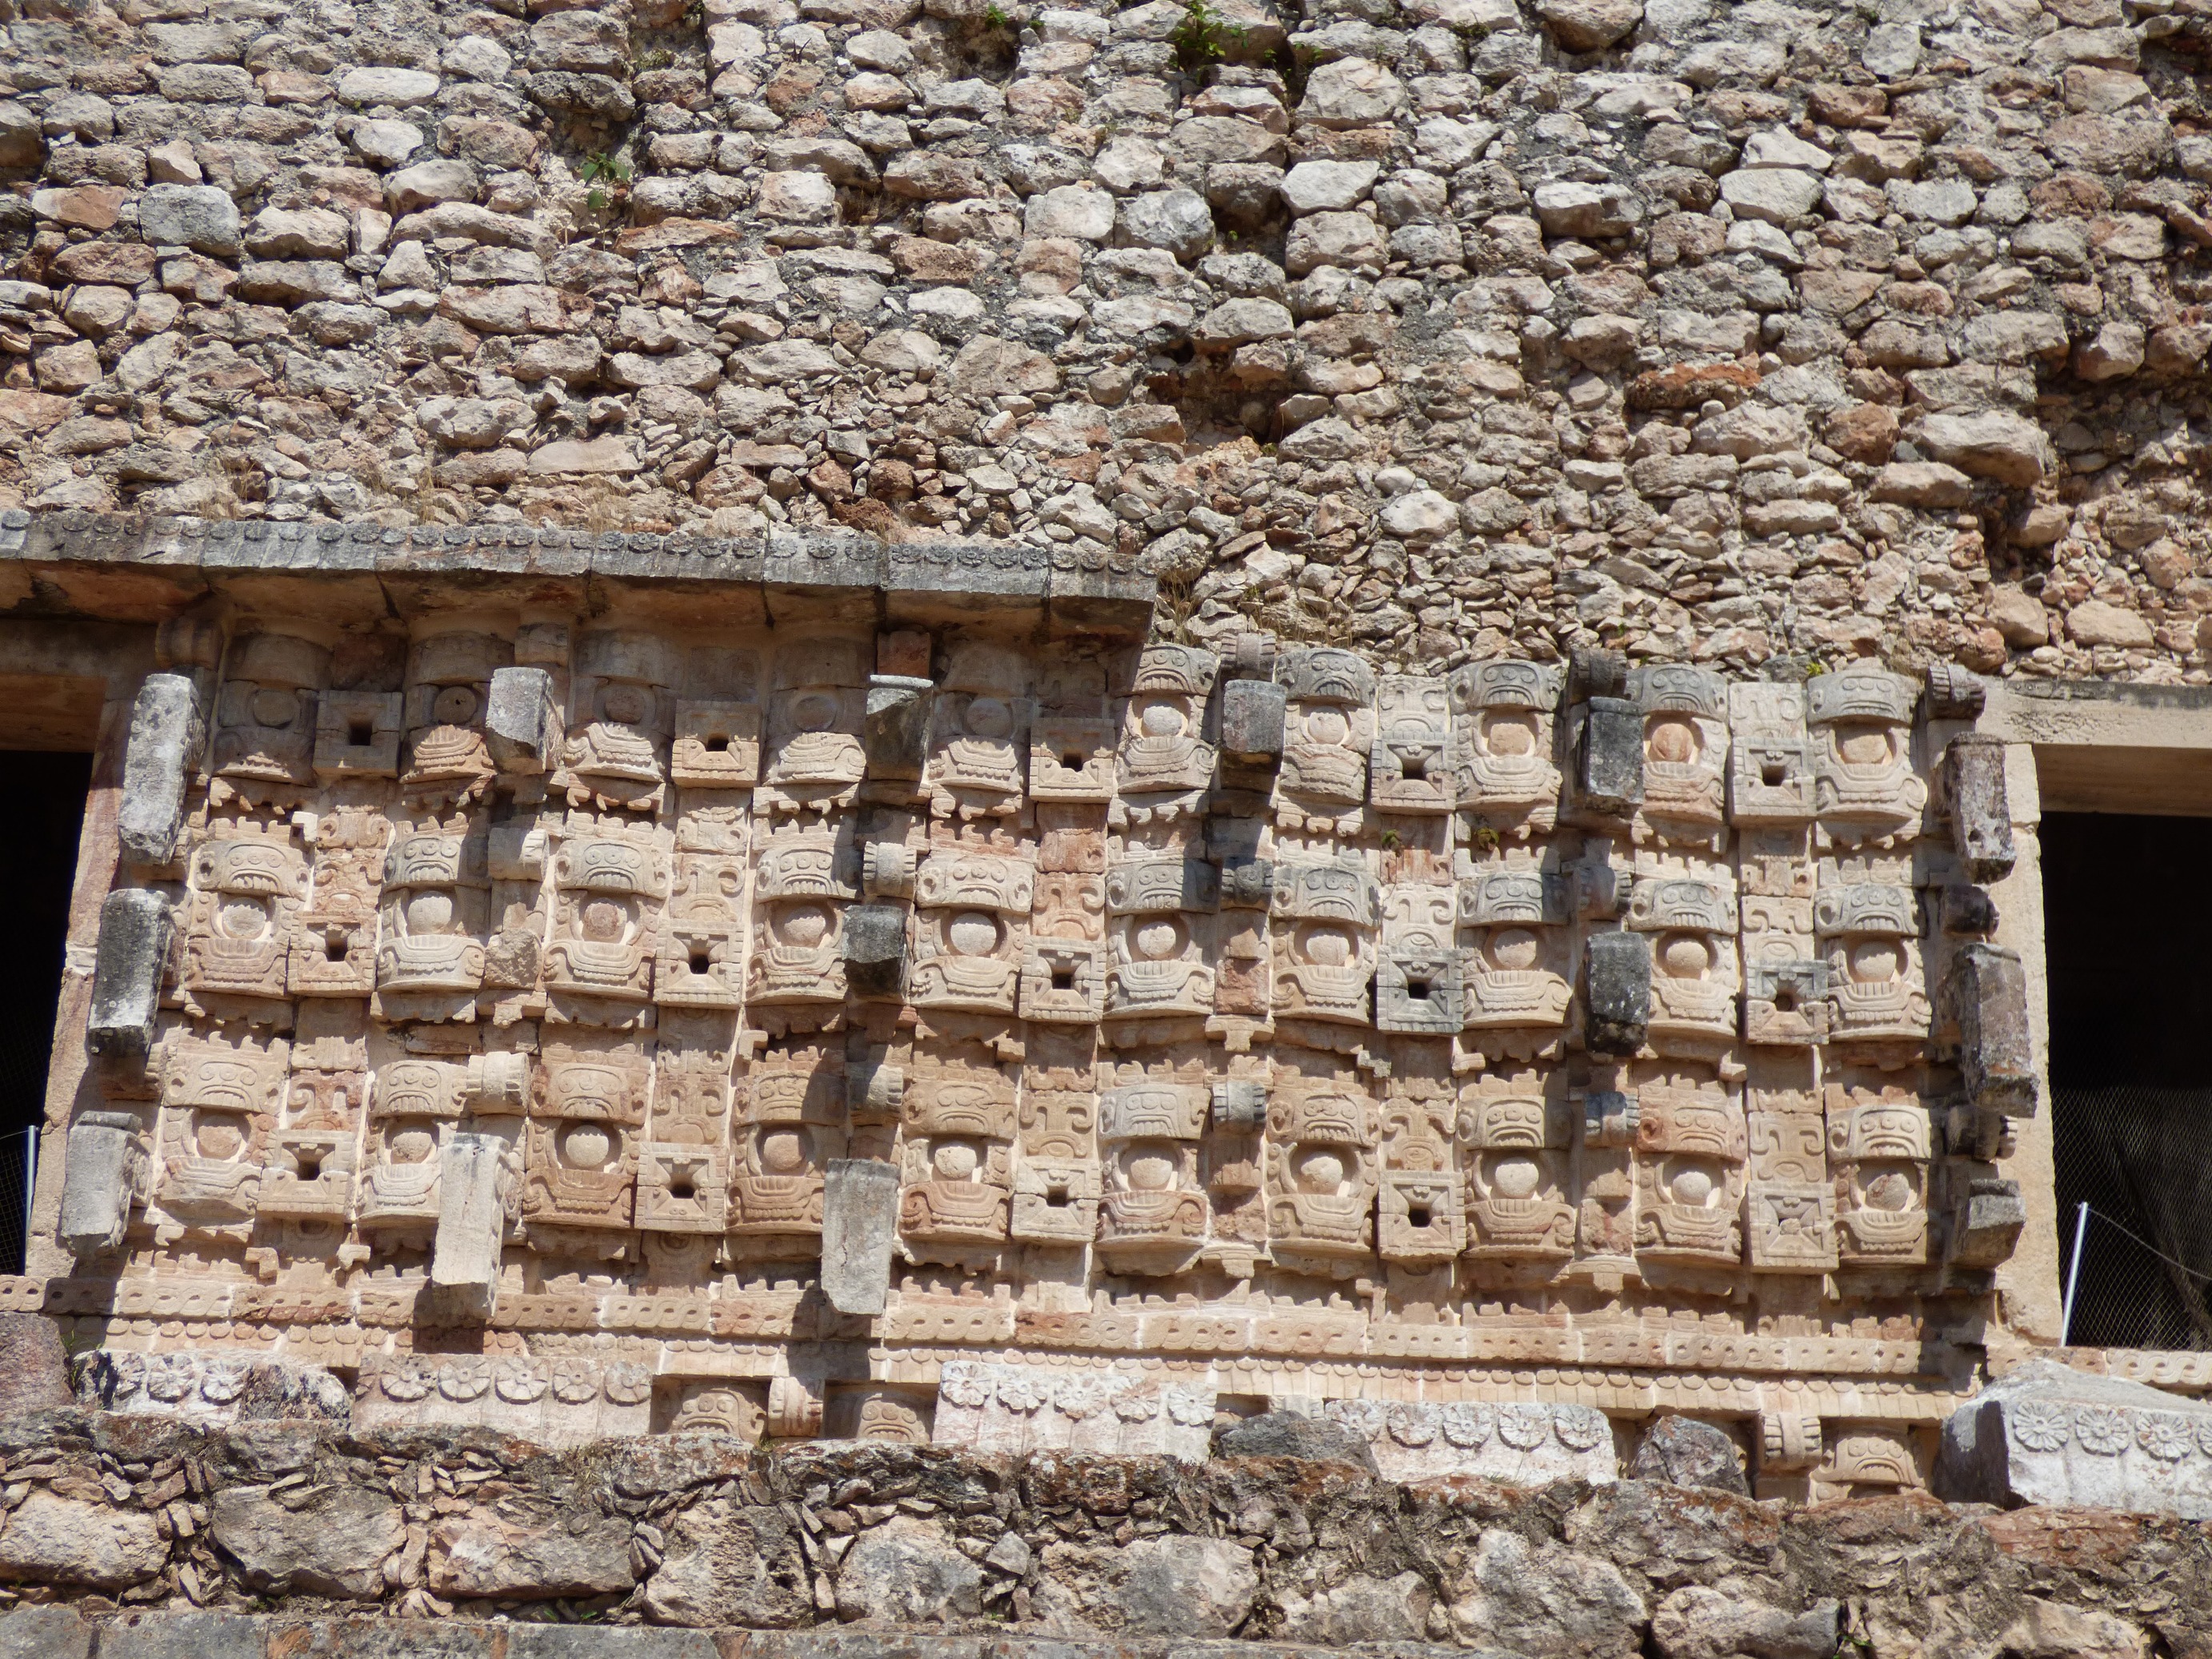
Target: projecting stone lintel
140,569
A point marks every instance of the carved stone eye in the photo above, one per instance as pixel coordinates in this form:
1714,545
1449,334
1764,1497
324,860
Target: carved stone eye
1674,741
218,1137
244,919
1161,720
1890,1191
972,934
625,705
456,705
429,911
586,1145
1516,1177
603,921
272,706
954,1160
411,1146
804,925
988,717
1157,939
1691,1185
1150,1171
1684,956
783,1152
1513,735
1327,947
1328,726
1863,745
1876,960
815,712
1322,1170
1515,949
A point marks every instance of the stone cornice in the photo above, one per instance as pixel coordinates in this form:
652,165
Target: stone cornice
130,569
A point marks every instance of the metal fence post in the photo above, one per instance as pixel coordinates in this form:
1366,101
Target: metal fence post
2073,1270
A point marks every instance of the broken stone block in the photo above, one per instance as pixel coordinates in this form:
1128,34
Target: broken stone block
1986,1224
157,764
1617,986
1609,758
1290,1434
1681,1451
875,950
894,730
1996,1060
1981,814
126,972
100,1178
1252,722
860,1226
522,722
472,1220
2045,1433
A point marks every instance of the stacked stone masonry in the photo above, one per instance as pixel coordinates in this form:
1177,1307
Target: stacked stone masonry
1455,330
592,1005
132,1538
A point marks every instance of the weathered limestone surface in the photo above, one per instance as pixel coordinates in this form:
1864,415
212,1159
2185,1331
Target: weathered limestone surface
255,1542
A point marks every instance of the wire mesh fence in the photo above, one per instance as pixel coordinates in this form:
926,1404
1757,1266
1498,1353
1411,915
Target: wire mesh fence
2133,1179
19,1156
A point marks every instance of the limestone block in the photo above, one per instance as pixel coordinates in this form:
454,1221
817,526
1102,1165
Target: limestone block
202,217
2045,1433
894,730
44,1632
100,1177
332,1544
166,723
1542,1599
1981,814
859,1230
1987,1221
471,1219
875,949
522,722
52,1539
1617,989
1252,713
1995,1053
907,1572
729,1563
1609,756
483,1555
127,968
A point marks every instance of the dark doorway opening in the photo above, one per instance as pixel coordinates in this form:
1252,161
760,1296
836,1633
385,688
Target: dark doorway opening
2132,1074
45,810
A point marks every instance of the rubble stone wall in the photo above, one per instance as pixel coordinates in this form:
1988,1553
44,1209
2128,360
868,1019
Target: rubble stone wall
1460,329
285,1539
